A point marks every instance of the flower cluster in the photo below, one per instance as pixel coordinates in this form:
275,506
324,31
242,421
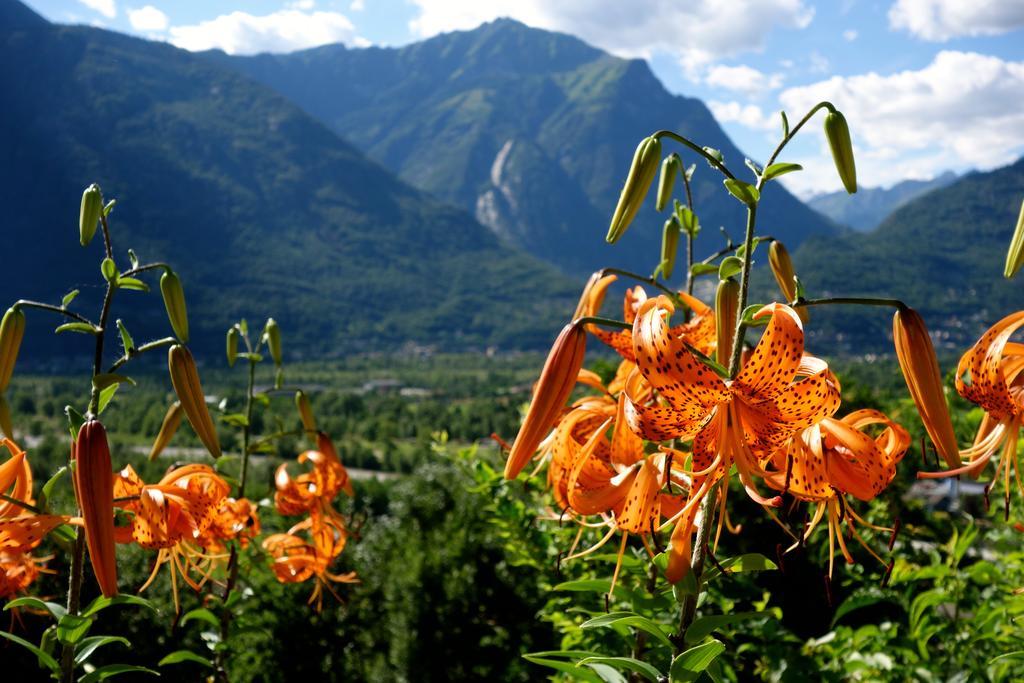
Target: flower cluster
309,548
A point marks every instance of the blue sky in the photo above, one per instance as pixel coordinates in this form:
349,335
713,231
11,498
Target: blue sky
927,85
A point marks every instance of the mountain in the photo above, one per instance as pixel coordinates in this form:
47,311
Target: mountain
942,253
532,131
869,207
261,208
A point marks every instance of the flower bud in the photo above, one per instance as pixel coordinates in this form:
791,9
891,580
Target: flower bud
94,490
172,420
89,215
1015,255
669,246
305,412
174,301
669,167
273,333
638,182
232,344
12,329
782,269
556,382
727,303
838,134
920,367
6,426
185,379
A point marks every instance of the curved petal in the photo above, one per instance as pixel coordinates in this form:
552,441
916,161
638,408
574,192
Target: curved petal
642,508
983,367
777,356
654,422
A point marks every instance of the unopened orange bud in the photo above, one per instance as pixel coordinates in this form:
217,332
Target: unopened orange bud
785,275
185,379
94,489
557,380
920,368
172,420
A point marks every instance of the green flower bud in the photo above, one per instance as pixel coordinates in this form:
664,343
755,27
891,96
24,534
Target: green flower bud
6,427
669,168
232,346
638,182
727,302
273,335
89,215
1015,256
305,412
12,329
174,301
838,134
669,246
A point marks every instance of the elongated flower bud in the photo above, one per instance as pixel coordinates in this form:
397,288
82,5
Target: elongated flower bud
172,420
669,167
89,215
94,490
782,269
669,246
1015,255
232,346
838,134
185,379
556,382
924,380
638,182
305,412
12,329
174,300
727,303
6,426
274,340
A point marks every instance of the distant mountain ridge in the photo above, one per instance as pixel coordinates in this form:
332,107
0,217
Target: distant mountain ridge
530,130
865,210
262,209
942,253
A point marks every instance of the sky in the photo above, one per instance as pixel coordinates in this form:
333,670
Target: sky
926,85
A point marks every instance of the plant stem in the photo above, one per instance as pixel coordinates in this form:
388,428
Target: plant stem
698,149
607,322
850,300
25,303
22,504
636,276
142,269
225,616
78,554
148,346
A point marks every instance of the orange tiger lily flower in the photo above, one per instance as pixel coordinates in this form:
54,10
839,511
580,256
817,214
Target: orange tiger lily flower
297,560
835,458
556,382
235,519
742,422
20,570
315,489
990,374
170,517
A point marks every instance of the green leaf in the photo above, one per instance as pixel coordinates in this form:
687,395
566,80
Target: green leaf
72,628
68,298
747,316
105,672
745,192
235,419
702,627
730,265
101,603
109,269
56,610
565,667
1016,654
109,207
717,154
690,170
629,619
133,259
106,396
93,643
625,664
104,380
201,614
179,656
126,339
781,168
81,328
75,421
703,269
863,598
44,659
753,167
132,284
751,562
689,665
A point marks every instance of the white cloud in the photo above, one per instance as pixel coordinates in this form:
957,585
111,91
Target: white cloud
849,35
105,7
301,4
697,32
742,79
357,5
941,20
147,18
962,110
749,115
283,31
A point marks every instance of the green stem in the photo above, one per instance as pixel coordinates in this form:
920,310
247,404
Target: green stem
606,322
748,255
142,269
24,303
22,504
641,278
850,300
135,353
698,149
700,552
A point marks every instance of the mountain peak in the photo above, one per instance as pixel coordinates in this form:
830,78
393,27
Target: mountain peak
15,15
